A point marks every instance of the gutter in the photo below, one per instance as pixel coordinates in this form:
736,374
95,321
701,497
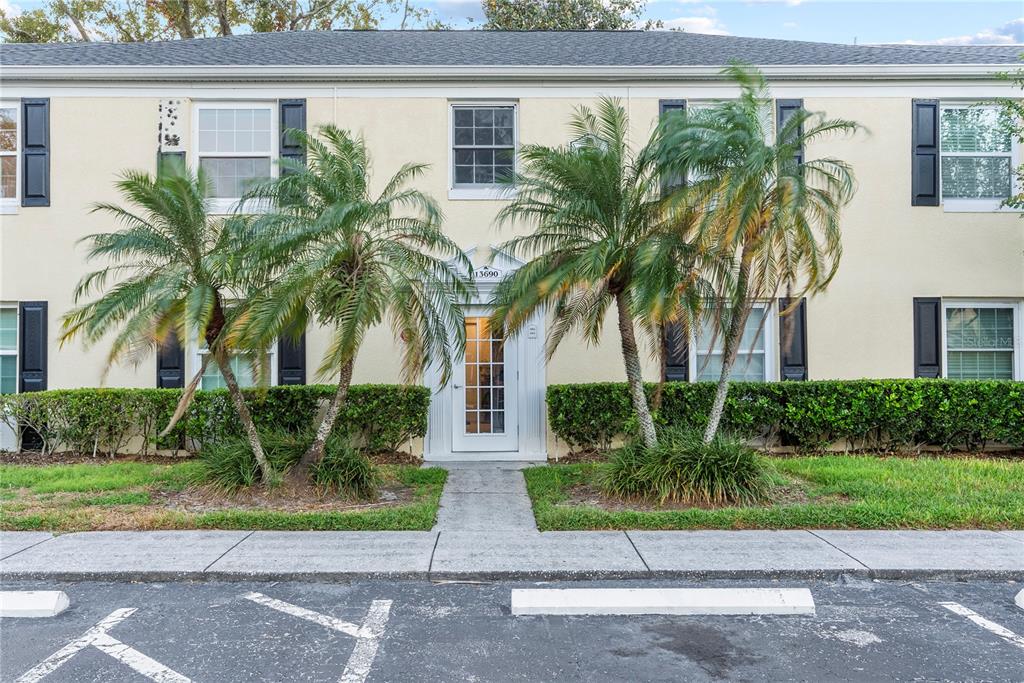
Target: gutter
377,74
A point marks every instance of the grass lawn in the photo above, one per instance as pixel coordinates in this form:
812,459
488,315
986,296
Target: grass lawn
843,491
144,495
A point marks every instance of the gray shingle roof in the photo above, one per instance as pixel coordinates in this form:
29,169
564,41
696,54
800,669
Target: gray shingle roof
492,48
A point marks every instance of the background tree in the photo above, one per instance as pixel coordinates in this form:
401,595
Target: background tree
353,260
1013,115
565,15
172,270
142,20
601,234
774,214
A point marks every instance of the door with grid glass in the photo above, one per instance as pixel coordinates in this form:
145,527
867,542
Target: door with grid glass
484,403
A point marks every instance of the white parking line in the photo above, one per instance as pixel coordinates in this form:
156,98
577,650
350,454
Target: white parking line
991,626
367,635
98,637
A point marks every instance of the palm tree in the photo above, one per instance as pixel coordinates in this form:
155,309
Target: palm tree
773,213
603,234
172,270
352,260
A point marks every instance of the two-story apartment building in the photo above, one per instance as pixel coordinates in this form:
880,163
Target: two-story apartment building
932,277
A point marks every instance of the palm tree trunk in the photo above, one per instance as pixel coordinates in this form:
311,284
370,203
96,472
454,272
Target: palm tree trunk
733,337
634,376
316,450
244,415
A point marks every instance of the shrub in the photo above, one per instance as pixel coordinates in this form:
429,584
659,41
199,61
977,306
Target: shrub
377,416
683,469
230,464
871,414
347,470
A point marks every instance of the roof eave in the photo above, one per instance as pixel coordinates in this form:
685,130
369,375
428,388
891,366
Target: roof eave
226,73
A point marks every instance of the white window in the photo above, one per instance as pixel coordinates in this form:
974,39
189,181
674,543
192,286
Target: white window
483,142
235,145
8,349
241,365
977,157
9,146
982,339
755,358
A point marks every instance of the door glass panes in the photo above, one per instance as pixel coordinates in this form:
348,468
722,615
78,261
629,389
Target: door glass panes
8,350
976,153
750,358
485,378
484,144
979,343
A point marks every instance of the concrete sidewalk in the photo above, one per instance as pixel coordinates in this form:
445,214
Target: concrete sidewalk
490,555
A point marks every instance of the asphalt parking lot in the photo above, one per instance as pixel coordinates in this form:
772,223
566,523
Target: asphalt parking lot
414,631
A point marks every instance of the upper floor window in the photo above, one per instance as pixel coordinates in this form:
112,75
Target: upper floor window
982,339
235,146
977,156
483,149
8,155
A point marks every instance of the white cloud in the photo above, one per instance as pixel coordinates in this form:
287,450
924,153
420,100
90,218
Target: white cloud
707,25
1010,33
790,24
10,9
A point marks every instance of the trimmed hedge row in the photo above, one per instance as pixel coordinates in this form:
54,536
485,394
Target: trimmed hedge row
380,416
869,414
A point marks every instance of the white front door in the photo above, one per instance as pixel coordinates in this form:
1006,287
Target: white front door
485,391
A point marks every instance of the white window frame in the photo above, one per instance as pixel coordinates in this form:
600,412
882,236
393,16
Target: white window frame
9,205
8,439
197,353
1017,305
770,334
228,205
491,192
958,205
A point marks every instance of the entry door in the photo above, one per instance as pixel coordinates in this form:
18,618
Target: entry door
485,407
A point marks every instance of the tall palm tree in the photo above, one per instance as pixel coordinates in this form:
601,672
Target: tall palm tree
352,260
775,214
604,233
172,269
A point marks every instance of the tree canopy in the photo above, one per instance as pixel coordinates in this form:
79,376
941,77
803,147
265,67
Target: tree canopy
565,15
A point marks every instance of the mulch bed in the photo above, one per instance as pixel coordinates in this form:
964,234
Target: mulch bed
586,495
71,458
283,498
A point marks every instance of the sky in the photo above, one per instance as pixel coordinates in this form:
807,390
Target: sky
984,22
834,21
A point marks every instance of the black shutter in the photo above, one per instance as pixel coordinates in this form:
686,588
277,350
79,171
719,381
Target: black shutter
166,161
924,150
927,337
677,354
667,107
170,364
793,341
293,115
35,152
32,346
784,110
291,360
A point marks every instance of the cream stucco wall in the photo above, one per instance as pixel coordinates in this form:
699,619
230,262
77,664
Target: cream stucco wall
860,328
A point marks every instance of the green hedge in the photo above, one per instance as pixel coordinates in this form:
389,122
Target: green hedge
380,416
870,414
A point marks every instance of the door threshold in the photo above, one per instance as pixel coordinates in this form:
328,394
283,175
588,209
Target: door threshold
495,456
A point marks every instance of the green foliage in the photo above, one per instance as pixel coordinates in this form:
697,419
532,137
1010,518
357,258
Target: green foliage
682,468
891,414
231,465
379,417
346,469
565,15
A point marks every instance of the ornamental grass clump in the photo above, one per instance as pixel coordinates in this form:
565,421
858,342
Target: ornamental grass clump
684,469
229,464
345,469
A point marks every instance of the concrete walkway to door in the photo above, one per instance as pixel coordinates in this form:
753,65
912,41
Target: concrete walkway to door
485,496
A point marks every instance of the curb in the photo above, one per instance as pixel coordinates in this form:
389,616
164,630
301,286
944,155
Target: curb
522,575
